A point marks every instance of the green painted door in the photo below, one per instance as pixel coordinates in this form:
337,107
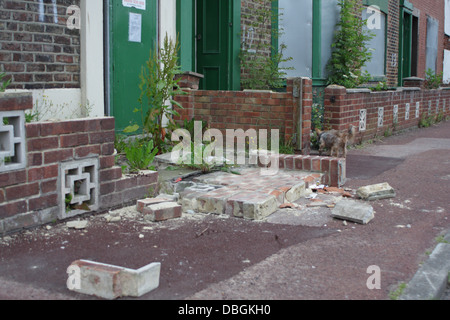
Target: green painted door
406,39
213,28
133,33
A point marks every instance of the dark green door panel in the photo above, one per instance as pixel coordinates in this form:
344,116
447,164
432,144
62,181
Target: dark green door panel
127,58
213,29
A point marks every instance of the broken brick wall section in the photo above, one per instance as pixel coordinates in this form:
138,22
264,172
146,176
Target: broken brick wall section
377,114
289,112
76,157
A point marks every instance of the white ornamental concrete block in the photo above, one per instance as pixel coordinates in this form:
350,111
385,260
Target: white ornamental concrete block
12,141
79,187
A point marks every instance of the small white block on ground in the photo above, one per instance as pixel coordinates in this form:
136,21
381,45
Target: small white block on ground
112,282
376,192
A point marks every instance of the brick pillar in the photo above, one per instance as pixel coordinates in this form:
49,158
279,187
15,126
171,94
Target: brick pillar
335,102
306,115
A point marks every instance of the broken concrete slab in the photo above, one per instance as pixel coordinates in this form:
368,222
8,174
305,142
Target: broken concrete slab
352,210
112,282
376,192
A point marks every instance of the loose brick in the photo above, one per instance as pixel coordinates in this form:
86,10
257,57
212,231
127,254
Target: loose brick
141,204
162,211
111,282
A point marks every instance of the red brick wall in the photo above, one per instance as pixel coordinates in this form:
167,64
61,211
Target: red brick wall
250,109
39,54
342,108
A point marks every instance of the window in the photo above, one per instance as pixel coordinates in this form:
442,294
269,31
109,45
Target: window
432,43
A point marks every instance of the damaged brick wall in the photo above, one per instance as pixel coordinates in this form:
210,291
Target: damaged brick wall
71,157
253,109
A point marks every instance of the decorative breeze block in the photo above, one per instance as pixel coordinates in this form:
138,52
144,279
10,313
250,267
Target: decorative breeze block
79,187
12,141
362,120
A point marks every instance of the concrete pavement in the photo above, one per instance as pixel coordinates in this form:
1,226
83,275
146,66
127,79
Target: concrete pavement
293,254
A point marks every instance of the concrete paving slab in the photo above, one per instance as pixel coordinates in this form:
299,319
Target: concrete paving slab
352,210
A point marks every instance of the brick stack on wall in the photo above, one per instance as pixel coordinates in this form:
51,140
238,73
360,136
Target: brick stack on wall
71,157
37,49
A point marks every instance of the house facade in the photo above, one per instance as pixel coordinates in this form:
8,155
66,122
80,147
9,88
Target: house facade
83,58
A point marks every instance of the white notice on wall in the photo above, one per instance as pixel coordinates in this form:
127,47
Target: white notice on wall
135,27
138,4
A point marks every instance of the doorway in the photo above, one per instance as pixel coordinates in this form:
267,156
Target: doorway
133,33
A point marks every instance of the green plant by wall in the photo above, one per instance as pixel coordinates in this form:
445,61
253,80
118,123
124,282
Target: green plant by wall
158,87
4,83
140,154
349,51
260,59
433,80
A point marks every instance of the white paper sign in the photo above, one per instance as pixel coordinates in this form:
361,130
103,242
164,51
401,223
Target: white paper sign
138,4
135,27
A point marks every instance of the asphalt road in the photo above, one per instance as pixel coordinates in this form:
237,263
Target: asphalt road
210,257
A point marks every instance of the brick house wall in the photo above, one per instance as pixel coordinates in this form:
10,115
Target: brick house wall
37,50
253,32
392,43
